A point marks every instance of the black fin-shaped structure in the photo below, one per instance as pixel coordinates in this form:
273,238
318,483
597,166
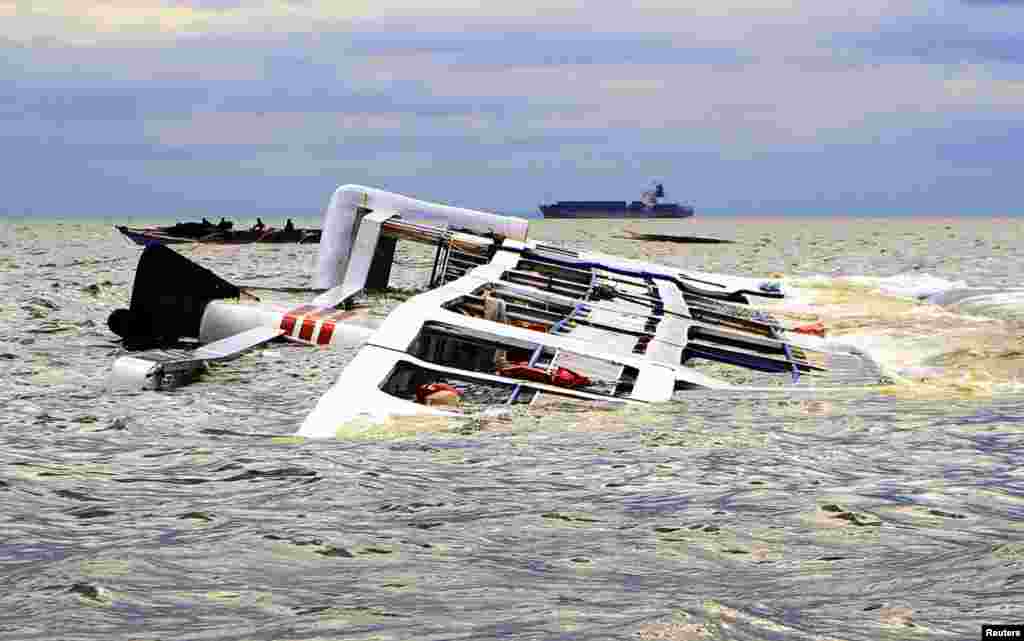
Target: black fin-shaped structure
168,299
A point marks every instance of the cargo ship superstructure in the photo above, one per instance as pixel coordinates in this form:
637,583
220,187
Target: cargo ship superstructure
647,207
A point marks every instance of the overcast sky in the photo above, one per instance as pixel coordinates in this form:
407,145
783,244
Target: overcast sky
209,107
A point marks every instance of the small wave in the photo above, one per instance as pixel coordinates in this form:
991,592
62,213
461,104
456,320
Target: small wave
1001,304
917,286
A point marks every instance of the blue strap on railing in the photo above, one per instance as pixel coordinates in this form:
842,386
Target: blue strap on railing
789,355
540,348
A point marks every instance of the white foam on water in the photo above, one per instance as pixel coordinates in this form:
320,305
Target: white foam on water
915,285
1007,305
959,346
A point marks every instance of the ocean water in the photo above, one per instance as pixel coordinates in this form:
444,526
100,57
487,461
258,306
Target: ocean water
894,512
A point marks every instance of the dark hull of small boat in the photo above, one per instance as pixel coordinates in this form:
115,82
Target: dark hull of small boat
165,236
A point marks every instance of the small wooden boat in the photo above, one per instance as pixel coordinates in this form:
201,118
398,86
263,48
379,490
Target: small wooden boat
197,233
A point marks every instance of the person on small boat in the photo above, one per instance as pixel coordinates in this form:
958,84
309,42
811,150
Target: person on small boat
206,223
224,225
289,225
259,226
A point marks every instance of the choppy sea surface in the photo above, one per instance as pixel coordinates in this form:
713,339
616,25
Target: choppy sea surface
894,512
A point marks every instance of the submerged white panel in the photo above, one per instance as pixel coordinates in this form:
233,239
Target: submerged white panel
669,341
223,319
342,219
130,373
357,268
339,229
654,384
635,321
357,396
603,340
699,379
235,345
671,298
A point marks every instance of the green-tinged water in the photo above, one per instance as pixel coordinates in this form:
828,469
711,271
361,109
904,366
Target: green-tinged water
888,513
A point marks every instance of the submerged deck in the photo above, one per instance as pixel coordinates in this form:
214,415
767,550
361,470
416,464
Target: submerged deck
638,333
505,320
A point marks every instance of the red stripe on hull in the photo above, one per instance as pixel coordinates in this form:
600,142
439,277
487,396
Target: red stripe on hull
306,333
291,318
326,332
309,314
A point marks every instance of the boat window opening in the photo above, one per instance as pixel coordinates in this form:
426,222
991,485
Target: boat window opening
437,271
518,315
406,377
624,387
626,293
731,322
700,349
456,347
736,374
728,313
634,325
640,294
791,362
523,300
541,315
685,386
611,341
582,276
642,343
703,334
630,331
776,351
557,251
615,277
533,302
545,275
546,283
477,351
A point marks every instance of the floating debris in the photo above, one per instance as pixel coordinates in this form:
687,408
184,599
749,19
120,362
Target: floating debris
671,238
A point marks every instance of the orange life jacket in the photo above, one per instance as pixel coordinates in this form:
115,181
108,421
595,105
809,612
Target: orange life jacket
817,329
561,377
423,391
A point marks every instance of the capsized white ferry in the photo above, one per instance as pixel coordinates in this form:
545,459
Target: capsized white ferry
505,320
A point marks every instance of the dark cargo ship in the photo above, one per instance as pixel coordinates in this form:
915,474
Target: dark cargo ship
647,207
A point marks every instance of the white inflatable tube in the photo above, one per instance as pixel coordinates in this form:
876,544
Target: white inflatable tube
305,324
341,221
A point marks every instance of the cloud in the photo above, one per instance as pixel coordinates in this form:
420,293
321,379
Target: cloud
736,104
91,22
994,3
942,43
